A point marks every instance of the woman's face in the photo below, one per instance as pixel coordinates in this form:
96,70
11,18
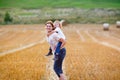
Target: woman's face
49,27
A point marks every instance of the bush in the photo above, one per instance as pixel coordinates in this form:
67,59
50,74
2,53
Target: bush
8,18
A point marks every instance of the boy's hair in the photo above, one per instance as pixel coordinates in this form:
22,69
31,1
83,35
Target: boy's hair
50,22
57,21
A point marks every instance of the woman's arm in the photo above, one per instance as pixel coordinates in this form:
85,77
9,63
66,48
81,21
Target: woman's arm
48,34
63,42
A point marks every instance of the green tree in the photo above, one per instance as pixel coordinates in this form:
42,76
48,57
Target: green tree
8,18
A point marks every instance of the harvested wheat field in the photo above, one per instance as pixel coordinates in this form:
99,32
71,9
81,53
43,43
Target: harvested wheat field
92,53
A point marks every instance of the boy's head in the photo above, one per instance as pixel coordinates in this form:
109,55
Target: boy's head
57,24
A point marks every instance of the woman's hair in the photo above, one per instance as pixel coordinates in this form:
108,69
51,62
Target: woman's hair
50,22
56,21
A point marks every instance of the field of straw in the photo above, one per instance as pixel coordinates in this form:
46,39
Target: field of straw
92,53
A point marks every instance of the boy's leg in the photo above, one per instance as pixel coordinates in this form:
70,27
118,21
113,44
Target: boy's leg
50,52
57,51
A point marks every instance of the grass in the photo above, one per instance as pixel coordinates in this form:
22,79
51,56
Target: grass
73,11
28,64
60,3
71,15
88,60
85,60
23,65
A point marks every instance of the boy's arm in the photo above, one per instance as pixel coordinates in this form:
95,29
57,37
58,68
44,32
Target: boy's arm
57,51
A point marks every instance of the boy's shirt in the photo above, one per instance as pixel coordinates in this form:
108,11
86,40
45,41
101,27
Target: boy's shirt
60,33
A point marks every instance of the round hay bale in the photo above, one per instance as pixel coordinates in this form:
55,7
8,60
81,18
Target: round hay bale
106,26
118,24
63,22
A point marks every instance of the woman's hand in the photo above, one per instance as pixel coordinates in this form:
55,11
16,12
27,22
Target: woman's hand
63,42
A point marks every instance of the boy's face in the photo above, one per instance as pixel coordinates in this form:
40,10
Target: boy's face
57,25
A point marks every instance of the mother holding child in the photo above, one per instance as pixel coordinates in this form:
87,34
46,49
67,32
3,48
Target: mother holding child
56,39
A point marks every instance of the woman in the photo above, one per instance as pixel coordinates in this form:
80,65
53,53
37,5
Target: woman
53,39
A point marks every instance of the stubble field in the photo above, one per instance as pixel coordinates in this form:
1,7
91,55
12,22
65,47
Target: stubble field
92,54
